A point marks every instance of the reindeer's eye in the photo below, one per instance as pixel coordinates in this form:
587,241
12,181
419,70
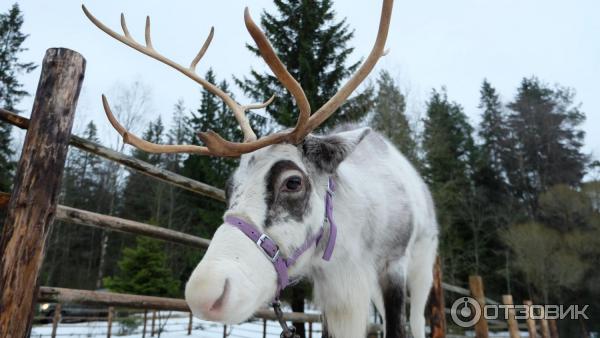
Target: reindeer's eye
293,183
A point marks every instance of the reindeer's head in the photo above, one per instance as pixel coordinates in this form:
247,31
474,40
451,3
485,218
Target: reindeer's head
276,194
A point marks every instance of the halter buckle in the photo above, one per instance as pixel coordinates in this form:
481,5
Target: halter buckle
261,240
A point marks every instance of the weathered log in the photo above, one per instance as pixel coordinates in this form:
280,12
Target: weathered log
14,119
88,218
530,321
553,328
4,198
150,170
190,324
56,319
109,321
36,187
97,298
93,219
544,328
476,287
436,303
128,161
145,322
513,326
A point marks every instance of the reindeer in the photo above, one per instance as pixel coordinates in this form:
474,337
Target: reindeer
378,236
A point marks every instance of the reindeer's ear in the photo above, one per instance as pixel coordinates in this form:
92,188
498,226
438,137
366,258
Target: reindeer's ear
327,152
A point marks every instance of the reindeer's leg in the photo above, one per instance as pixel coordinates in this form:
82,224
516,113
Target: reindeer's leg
344,300
393,288
420,277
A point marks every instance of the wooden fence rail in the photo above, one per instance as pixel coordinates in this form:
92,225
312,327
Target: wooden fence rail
97,298
92,219
111,299
128,161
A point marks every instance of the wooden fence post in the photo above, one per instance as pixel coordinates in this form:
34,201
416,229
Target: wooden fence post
190,323
530,321
513,325
152,332
309,330
56,319
476,287
109,321
544,323
145,322
436,303
553,328
36,187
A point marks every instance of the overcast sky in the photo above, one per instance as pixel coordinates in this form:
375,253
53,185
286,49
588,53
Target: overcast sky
432,44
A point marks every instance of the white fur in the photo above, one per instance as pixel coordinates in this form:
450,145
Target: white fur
378,194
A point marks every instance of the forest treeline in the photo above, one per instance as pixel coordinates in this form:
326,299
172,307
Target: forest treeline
518,200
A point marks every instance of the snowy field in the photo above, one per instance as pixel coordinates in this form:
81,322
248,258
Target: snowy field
174,327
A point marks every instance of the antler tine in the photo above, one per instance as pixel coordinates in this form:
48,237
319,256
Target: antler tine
147,34
342,95
144,145
259,105
281,72
148,50
203,49
123,24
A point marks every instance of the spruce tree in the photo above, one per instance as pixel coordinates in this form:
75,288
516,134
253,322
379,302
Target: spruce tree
545,141
390,116
11,90
313,45
492,206
449,151
492,129
143,270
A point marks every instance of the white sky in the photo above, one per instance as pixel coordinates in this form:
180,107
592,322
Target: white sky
432,43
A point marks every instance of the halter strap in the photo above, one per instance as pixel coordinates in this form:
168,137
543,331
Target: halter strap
271,249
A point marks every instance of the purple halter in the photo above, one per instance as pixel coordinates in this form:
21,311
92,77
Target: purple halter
271,250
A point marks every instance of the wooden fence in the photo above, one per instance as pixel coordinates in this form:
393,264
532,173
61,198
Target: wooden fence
32,207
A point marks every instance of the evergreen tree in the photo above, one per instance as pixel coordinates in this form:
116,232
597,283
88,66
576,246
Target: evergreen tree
493,133
544,143
313,46
11,90
449,150
492,207
143,270
138,203
390,116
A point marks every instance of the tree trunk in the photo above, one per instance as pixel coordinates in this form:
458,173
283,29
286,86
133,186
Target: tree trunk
36,188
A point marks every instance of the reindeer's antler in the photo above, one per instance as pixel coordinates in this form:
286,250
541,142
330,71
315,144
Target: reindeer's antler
215,144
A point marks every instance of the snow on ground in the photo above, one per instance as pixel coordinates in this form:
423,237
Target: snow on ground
176,327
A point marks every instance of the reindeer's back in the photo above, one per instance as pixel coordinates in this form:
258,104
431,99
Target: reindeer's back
388,201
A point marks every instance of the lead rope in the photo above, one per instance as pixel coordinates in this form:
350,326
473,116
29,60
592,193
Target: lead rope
290,332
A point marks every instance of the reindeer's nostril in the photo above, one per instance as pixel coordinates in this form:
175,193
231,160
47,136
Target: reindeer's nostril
221,300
